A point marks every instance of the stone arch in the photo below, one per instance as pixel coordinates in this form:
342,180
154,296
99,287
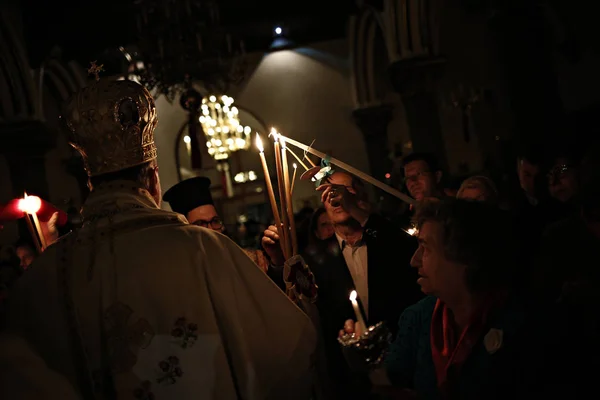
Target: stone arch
413,27
368,46
59,79
17,88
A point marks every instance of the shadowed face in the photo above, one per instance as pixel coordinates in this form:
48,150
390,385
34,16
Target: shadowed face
421,182
562,181
26,254
438,276
207,217
472,193
527,173
324,227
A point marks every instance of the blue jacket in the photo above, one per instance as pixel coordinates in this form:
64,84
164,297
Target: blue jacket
409,363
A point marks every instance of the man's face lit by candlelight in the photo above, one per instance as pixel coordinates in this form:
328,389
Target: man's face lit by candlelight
421,182
337,214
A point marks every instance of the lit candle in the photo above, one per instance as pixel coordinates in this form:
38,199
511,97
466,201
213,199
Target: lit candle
284,234
353,171
294,177
288,198
260,147
30,205
359,317
297,158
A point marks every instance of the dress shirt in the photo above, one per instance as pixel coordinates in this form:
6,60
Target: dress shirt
356,260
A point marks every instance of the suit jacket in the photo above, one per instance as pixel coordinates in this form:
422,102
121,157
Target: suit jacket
392,288
392,282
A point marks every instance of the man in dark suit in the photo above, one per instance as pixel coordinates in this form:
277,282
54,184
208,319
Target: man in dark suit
366,254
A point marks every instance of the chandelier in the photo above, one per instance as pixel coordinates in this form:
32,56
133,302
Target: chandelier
222,128
183,42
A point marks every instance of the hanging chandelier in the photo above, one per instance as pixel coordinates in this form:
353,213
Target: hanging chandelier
221,124
183,42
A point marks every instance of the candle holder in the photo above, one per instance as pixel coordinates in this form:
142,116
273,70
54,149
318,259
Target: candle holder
364,353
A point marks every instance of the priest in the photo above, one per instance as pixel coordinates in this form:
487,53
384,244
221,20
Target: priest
193,199
138,303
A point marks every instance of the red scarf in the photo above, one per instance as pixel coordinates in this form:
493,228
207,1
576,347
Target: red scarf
450,348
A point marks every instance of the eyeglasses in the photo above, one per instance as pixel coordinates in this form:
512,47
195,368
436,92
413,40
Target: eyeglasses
216,223
558,171
415,177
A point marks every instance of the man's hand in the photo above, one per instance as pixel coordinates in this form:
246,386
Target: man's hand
351,327
338,195
345,197
270,243
50,229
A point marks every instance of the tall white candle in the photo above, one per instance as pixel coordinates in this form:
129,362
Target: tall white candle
359,317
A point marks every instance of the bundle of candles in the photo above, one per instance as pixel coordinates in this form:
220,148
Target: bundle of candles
284,215
365,350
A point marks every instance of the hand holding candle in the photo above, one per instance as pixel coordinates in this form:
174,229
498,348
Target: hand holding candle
30,205
274,209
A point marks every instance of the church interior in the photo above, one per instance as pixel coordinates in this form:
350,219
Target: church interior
365,82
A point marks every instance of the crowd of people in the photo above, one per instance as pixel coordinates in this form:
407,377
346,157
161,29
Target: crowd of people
486,294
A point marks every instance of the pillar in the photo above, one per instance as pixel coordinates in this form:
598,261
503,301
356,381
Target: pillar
373,123
415,80
525,51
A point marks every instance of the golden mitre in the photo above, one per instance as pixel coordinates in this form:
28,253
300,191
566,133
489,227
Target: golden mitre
111,123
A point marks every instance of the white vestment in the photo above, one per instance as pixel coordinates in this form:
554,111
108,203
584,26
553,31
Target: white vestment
140,304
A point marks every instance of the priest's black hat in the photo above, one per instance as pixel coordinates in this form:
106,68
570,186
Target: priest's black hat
189,194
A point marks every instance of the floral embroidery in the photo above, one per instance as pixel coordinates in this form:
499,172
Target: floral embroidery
143,392
301,279
170,371
124,339
186,333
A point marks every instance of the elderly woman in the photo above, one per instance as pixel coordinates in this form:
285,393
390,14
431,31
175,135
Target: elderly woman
459,342
478,188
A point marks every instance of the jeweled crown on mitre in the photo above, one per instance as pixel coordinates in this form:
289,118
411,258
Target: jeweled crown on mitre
111,123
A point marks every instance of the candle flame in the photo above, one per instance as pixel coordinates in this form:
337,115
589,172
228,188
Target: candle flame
259,143
294,165
353,295
411,231
30,204
274,134
281,140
